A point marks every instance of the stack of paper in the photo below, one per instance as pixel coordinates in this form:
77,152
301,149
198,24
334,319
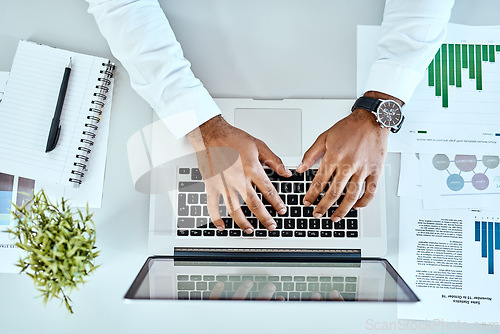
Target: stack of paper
449,183
28,96
27,108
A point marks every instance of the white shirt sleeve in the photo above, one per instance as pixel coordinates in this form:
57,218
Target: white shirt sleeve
141,38
412,32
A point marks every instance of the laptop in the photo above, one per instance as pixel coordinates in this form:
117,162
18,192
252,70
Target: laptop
302,259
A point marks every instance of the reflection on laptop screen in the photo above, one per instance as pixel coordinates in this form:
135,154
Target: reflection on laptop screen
363,280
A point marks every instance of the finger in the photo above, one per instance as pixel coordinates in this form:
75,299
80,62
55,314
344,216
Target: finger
332,194
267,293
213,210
216,292
272,160
242,292
234,210
257,207
370,190
313,153
319,182
335,295
269,192
316,296
351,196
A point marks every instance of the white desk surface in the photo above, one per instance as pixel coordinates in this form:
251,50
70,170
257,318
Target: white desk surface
247,48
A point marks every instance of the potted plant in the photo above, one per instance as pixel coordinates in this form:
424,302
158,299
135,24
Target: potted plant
58,243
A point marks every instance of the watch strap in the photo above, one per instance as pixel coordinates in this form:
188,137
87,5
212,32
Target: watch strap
398,127
367,103
371,105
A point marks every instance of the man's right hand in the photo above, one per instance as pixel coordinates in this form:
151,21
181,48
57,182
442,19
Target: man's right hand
230,163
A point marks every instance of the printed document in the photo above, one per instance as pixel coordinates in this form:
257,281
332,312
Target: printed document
13,189
454,108
460,180
450,258
410,184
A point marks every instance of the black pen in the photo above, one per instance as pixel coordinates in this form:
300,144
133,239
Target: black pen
55,128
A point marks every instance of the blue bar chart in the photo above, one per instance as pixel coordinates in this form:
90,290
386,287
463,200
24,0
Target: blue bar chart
488,234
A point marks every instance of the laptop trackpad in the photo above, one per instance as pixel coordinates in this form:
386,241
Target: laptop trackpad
280,129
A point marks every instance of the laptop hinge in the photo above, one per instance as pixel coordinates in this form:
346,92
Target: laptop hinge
267,254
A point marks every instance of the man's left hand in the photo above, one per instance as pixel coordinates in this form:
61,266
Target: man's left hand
354,151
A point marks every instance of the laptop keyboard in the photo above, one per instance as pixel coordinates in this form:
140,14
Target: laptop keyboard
287,287
193,218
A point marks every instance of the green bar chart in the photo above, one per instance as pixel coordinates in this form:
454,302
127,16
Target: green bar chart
446,68
458,67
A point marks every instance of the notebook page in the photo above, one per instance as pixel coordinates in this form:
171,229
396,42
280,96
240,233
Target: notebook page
90,192
28,106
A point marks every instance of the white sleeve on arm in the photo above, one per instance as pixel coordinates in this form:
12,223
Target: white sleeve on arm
412,32
141,38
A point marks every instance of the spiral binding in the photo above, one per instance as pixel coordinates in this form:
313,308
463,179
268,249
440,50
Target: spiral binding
92,124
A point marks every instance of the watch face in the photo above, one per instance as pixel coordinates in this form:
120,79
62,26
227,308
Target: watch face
389,113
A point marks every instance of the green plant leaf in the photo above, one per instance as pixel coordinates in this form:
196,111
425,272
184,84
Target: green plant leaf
58,244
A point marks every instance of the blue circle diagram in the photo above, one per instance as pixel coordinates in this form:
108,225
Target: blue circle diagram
466,164
455,182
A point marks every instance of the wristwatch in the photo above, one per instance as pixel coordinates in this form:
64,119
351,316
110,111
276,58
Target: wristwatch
388,112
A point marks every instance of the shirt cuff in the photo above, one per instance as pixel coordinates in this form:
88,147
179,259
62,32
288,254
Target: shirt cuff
393,79
187,112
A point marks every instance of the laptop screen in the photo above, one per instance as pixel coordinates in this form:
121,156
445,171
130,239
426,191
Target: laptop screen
163,278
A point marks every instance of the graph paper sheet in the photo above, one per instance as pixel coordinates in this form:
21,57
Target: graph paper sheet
454,108
450,258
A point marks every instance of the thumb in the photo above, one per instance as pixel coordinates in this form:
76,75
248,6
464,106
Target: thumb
272,160
312,154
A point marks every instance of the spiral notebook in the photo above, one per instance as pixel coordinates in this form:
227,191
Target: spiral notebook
27,108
